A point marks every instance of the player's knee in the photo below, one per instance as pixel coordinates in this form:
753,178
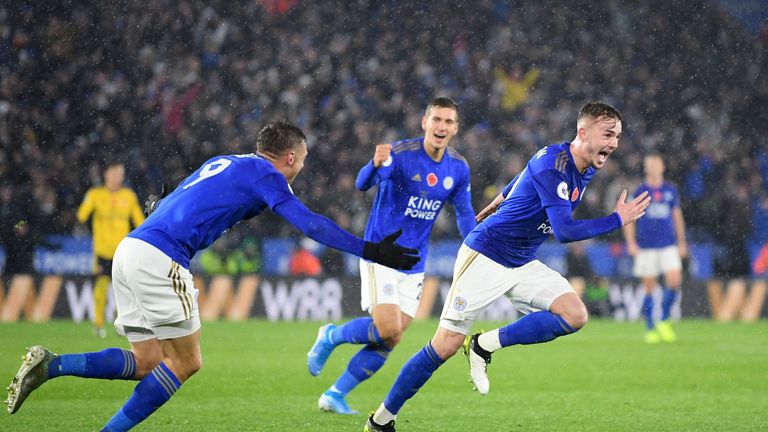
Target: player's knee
186,367
391,334
576,316
145,364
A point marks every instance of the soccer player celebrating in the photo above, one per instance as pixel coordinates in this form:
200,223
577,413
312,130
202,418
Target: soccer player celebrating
658,244
114,210
156,298
498,259
416,178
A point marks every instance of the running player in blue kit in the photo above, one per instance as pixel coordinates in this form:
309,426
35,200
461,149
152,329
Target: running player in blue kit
416,178
154,291
658,245
498,258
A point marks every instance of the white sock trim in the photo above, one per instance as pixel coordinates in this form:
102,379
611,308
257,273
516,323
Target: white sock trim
382,415
489,341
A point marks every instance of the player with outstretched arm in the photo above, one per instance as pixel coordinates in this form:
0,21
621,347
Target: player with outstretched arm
498,258
155,296
415,179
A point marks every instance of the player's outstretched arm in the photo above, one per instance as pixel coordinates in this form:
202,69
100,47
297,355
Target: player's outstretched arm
327,232
567,229
489,209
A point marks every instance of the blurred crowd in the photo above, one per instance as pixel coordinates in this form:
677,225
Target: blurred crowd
165,85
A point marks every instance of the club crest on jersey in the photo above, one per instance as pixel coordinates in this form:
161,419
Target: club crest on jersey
460,303
388,162
562,190
448,183
575,194
431,179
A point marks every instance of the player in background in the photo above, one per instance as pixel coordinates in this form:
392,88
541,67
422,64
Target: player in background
658,244
114,211
416,178
154,291
498,258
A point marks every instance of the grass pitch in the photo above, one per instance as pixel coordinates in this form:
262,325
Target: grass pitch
254,378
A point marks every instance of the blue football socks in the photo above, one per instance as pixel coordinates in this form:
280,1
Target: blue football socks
536,327
362,366
358,331
667,300
414,374
150,394
648,311
112,363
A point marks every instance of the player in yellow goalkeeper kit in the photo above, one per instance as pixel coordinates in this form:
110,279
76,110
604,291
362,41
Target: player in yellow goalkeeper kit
115,211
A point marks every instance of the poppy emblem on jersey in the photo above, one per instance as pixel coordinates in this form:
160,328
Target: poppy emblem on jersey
448,183
460,303
657,196
389,289
575,195
431,179
562,190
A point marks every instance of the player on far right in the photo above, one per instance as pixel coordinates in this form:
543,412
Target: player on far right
658,244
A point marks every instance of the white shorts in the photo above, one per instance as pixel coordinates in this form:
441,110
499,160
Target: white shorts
478,281
654,262
384,285
155,297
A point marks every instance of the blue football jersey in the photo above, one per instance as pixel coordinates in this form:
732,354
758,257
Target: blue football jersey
657,229
513,234
413,189
224,191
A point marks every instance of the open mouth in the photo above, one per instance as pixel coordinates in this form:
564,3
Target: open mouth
440,136
602,156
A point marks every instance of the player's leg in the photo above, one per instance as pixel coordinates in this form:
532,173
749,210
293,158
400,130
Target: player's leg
104,269
154,279
415,373
672,266
39,364
647,267
392,299
477,282
551,307
651,333
181,359
360,330
390,323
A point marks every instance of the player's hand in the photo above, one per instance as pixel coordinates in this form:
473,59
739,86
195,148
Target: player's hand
489,209
390,254
381,154
632,249
154,200
631,211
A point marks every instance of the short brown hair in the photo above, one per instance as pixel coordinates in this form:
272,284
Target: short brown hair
279,137
443,102
597,110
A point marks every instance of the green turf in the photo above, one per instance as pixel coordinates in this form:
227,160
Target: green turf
254,379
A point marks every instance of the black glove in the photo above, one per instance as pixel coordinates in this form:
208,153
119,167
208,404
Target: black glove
390,254
152,202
